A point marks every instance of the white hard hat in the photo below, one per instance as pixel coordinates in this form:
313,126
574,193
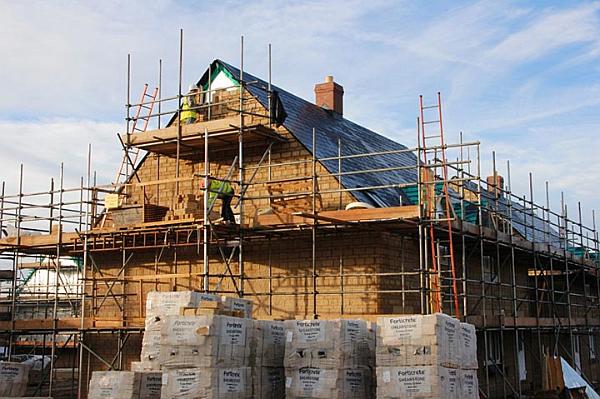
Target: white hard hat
192,87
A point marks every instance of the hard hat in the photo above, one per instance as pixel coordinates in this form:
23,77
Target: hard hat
192,87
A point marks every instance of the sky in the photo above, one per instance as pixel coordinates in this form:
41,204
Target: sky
521,77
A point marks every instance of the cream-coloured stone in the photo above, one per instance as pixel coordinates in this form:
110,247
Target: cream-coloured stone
422,382
13,379
328,343
409,340
207,383
205,341
125,385
310,382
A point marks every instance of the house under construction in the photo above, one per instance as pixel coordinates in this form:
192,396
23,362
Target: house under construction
333,220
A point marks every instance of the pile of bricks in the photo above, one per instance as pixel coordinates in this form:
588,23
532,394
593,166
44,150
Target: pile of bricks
187,206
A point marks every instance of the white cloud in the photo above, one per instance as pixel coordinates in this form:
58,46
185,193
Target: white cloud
63,72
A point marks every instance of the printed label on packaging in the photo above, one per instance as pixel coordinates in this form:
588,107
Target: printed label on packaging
231,381
354,381
184,381
353,330
274,334
182,330
233,331
310,331
150,385
414,380
469,383
309,380
289,336
404,328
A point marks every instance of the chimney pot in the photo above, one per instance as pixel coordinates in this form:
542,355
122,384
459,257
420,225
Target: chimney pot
330,95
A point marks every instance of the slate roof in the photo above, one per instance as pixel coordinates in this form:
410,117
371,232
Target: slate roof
303,116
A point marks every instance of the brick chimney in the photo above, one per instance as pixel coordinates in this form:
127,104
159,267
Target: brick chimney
495,187
330,95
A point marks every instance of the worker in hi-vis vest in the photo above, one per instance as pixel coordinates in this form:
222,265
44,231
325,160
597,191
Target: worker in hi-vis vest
189,113
224,191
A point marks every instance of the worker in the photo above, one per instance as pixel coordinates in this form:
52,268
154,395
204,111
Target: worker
223,191
189,113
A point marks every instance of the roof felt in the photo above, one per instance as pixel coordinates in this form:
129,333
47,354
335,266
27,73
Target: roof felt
303,116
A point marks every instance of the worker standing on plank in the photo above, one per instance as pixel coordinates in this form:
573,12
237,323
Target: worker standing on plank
224,191
189,113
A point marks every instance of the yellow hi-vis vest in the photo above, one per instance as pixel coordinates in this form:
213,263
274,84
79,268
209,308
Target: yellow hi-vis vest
186,111
215,188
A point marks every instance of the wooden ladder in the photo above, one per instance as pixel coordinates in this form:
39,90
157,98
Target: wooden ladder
131,154
437,203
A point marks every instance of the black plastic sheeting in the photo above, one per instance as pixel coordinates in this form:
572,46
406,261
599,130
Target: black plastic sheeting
303,116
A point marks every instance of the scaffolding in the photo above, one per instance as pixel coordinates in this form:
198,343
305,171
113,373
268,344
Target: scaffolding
525,275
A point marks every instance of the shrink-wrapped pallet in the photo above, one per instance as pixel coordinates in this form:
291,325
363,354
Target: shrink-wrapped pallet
268,382
328,344
13,379
310,382
207,383
418,340
468,347
169,303
268,343
205,341
125,385
150,355
418,382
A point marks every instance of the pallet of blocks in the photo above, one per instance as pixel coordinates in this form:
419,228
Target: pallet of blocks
426,356
158,306
13,379
125,385
268,348
329,359
203,344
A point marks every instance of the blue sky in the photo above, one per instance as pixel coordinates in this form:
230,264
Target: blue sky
521,77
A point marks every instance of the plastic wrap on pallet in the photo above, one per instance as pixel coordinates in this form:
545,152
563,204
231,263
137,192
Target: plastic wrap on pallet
422,382
13,379
125,385
205,341
168,303
268,382
268,343
328,343
347,383
244,306
207,383
150,355
469,384
468,347
418,340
